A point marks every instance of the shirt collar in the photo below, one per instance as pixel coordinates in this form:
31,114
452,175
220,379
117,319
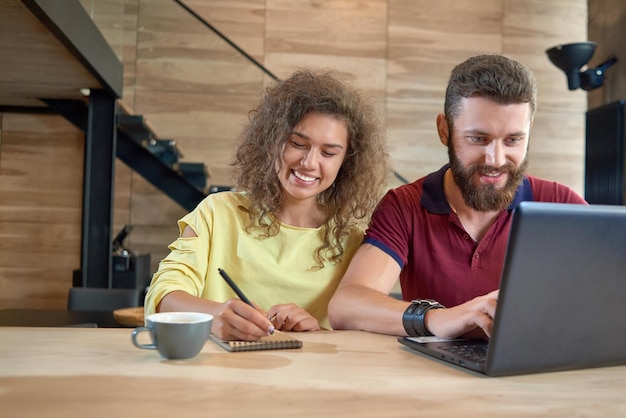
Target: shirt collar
434,198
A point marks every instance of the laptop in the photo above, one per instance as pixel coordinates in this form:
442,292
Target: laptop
562,300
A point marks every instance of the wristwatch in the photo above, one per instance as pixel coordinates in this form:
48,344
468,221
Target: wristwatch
413,317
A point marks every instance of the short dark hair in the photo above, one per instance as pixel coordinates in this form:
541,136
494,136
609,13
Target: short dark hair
495,77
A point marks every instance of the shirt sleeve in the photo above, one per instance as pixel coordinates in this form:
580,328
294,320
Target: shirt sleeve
552,191
184,268
390,226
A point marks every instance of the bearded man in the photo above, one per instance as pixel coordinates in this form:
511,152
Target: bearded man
445,234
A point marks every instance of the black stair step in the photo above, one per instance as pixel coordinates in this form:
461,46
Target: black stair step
135,127
165,149
195,173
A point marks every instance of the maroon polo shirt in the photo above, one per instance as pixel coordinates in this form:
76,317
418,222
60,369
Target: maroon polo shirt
416,227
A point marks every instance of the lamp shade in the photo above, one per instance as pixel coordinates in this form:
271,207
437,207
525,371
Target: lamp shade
570,58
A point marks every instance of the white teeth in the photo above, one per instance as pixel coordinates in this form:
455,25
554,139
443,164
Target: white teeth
302,176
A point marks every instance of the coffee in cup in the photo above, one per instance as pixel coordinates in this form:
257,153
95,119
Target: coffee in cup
176,335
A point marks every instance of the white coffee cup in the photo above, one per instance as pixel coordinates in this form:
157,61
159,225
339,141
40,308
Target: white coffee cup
176,335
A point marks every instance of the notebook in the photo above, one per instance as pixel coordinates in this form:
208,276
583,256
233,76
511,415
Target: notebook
562,300
277,341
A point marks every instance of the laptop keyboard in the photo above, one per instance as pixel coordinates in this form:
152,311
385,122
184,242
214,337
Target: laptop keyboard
472,352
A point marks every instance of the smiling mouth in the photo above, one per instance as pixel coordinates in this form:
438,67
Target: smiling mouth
497,174
492,177
303,177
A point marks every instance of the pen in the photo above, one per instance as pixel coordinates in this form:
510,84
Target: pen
238,291
234,287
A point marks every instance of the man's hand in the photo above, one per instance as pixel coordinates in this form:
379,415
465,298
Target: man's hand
472,319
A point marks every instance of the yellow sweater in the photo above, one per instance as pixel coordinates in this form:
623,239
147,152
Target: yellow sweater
269,271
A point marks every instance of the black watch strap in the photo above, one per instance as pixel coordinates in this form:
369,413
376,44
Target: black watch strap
413,317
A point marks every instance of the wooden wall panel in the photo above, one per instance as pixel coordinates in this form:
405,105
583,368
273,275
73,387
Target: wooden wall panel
242,21
41,183
413,141
129,51
177,53
109,17
327,27
192,88
425,41
40,215
607,27
532,27
347,36
557,139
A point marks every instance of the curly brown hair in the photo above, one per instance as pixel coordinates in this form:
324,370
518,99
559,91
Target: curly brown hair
361,178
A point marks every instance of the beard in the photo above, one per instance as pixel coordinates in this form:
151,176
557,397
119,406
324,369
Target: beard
486,198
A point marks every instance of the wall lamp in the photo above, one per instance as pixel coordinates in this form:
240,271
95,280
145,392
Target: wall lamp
570,58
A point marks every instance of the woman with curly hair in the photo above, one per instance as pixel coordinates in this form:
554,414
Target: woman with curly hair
309,171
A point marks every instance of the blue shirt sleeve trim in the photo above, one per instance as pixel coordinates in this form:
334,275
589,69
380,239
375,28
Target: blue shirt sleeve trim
391,253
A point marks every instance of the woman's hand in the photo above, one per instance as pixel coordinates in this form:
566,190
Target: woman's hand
236,320
291,317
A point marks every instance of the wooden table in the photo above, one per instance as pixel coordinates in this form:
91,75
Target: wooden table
71,372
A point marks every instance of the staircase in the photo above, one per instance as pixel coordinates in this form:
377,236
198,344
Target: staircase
155,159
